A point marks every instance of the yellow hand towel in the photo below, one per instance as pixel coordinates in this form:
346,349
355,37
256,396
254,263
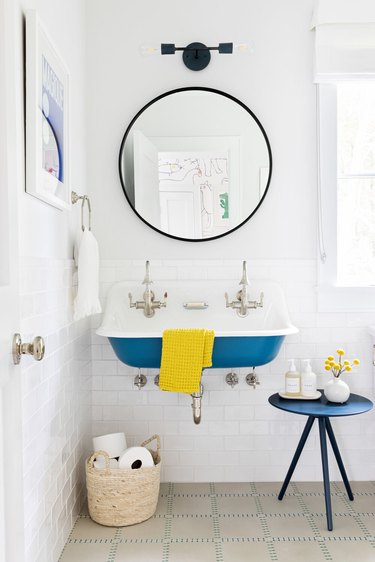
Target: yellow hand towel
185,353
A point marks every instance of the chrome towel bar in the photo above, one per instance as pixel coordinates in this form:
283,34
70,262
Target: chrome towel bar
84,198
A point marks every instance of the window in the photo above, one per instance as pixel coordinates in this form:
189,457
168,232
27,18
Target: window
347,195
344,69
356,183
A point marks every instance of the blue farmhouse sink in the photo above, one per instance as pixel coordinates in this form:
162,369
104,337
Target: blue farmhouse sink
241,351
239,342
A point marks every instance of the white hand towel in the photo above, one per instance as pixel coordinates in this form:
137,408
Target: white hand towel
87,299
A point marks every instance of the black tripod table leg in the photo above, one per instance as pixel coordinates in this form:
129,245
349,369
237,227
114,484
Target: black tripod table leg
336,451
297,455
327,491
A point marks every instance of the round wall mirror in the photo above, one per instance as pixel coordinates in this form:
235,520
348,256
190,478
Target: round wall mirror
195,164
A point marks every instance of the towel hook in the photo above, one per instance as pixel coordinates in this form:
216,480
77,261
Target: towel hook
75,198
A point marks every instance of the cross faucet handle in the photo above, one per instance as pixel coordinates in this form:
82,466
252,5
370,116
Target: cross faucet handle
227,303
164,304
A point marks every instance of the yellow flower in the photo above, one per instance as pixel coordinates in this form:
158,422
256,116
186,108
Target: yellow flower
339,365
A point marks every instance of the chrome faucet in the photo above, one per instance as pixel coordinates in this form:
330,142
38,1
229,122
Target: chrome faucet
149,304
242,304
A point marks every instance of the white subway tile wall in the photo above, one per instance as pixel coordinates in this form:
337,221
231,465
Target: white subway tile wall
56,400
241,437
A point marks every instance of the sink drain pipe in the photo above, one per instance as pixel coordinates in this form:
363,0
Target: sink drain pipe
197,404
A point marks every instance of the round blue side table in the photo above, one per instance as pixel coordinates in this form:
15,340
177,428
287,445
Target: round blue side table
321,410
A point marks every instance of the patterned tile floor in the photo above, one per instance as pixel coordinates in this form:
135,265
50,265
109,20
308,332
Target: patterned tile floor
237,522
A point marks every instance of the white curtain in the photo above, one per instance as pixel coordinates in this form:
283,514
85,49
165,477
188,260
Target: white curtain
344,39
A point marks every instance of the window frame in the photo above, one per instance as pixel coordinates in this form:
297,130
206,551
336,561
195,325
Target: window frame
332,297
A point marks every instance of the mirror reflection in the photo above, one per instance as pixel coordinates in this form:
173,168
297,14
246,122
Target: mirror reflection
195,164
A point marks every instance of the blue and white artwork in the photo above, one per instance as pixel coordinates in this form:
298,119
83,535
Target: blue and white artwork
52,122
47,118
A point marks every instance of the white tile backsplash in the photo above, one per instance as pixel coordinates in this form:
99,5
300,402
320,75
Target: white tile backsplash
56,406
241,437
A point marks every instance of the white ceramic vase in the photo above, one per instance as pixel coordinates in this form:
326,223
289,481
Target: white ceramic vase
337,391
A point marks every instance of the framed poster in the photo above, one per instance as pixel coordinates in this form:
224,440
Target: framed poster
47,118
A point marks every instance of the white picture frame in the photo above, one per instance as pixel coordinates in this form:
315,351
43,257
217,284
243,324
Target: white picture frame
47,118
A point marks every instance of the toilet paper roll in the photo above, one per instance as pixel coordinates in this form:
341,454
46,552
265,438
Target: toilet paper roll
114,444
136,457
100,463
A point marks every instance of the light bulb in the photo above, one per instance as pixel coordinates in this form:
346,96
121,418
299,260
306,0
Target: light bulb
248,47
148,50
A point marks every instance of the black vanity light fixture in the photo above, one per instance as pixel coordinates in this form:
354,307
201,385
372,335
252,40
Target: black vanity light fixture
196,56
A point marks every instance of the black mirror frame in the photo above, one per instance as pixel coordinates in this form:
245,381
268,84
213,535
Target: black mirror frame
187,89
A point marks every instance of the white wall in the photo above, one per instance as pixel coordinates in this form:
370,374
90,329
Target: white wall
275,82
241,435
46,231
55,392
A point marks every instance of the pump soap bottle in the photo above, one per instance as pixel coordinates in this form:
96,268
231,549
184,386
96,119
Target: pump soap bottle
292,380
308,380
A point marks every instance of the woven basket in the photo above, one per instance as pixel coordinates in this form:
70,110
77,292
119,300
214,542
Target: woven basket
123,496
